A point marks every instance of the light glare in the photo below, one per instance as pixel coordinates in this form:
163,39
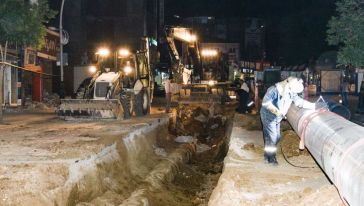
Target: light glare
104,52
124,52
92,69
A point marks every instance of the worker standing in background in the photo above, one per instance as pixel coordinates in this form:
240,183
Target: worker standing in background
275,105
243,94
168,91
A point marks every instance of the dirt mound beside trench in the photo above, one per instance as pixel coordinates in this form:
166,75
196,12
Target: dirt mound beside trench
289,139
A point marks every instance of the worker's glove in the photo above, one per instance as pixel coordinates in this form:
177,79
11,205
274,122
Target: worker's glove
321,105
274,110
278,114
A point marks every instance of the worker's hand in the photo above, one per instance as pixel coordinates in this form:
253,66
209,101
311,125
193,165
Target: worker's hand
278,113
274,110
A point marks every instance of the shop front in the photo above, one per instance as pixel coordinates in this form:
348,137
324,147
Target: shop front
39,64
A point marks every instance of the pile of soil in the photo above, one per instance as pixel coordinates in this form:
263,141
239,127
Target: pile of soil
289,143
51,100
289,139
49,104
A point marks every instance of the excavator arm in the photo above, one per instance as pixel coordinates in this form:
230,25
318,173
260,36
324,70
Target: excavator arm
184,35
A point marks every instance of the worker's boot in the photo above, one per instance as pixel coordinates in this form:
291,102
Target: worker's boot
266,158
273,160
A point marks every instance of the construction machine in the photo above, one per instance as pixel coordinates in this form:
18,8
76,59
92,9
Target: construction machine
110,92
188,71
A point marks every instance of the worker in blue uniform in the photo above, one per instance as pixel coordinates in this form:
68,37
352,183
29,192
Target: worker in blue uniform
275,105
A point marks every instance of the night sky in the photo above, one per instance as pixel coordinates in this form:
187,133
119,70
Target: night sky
295,29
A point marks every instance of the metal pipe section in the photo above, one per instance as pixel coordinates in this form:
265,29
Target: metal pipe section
338,147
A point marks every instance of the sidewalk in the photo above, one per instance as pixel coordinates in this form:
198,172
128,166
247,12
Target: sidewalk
247,180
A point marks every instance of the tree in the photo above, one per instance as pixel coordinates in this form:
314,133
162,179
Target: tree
346,30
22,22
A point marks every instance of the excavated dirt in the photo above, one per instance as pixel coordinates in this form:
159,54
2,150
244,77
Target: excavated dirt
204,122
289,139
195,180
47,161
105,163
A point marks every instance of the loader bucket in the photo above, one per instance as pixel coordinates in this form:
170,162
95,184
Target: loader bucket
90,109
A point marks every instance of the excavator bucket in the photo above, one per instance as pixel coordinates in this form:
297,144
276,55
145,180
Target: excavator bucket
71,109
201,94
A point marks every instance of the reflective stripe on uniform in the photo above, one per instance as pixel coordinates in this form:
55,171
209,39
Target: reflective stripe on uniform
270,149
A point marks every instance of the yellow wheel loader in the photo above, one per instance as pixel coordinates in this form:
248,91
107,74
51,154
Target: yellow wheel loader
114,93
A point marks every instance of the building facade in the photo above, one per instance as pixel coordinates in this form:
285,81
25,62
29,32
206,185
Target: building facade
32,74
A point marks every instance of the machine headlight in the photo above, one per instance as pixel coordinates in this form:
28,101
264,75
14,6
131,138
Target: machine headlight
128,69
92,69
124,52
103,52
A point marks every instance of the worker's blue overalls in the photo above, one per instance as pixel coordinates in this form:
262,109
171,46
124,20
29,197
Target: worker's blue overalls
271,123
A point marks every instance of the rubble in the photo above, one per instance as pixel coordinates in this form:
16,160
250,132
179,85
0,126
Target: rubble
204,122
49,104
202,148
184,139
51,100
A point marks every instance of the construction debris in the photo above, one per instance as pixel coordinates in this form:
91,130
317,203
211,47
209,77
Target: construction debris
203,122
184,139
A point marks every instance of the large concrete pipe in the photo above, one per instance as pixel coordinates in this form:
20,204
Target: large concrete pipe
338,147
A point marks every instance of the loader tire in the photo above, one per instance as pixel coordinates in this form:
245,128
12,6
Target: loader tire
146,102
138,107
127,105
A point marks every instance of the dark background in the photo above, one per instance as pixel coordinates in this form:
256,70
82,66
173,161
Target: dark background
295,29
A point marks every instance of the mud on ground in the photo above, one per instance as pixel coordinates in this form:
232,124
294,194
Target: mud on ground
289,139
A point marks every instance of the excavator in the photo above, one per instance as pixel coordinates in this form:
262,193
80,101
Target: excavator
110,93
187,69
